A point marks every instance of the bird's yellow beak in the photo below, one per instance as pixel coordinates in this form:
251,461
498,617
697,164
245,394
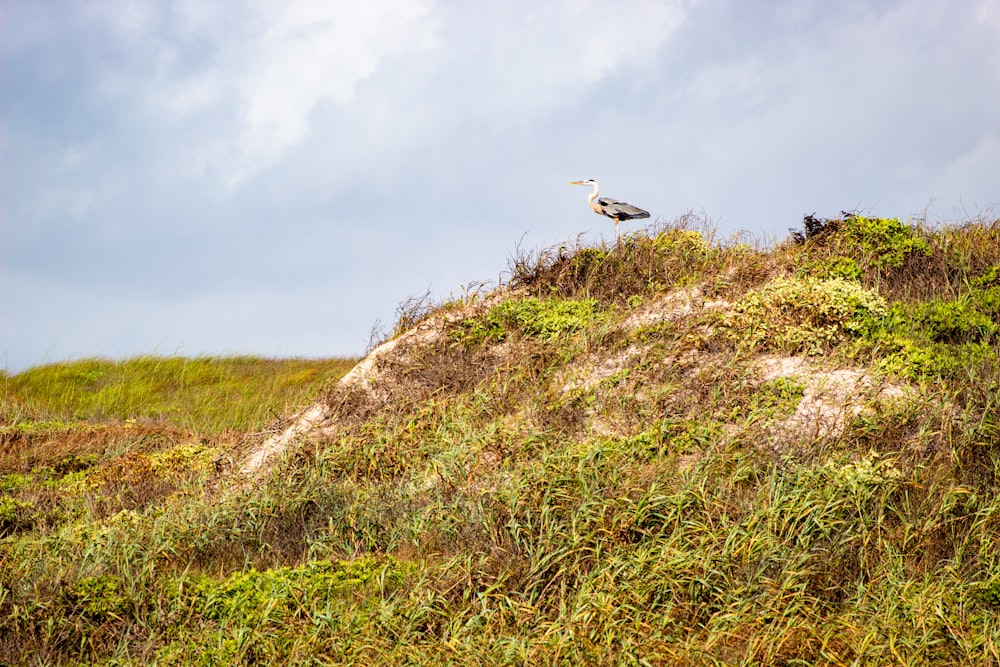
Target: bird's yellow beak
576,182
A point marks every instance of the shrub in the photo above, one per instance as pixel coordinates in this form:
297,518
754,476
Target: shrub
15,515
805,314
886,240
837,266
97,598
536,318
880,243
684,243
958,321
283,593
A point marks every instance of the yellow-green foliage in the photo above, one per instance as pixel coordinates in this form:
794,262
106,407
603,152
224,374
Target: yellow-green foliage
873,471
97,598
884,241
278,595
14,514
877,243
837,266
805,314
940,337
775,398
204,394
534,318
182,458
957,321
674,436
683,243
15,481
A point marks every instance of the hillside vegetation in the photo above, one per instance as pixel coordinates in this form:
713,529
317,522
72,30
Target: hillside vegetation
682,451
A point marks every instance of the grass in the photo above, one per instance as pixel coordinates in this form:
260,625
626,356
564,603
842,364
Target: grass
207,395
545,483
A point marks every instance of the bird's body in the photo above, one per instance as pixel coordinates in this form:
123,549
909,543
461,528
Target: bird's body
614,209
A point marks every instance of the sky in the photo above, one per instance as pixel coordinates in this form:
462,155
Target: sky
202,177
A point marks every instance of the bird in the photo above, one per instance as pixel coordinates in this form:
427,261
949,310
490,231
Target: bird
614,209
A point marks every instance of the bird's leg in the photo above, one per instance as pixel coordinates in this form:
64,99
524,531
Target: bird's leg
618,234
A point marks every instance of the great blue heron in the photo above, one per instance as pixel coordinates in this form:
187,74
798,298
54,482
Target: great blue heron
614,209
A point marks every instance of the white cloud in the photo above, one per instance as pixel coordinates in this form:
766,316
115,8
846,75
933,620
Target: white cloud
287,58
239,86
521,58
605,36
255,71
128,20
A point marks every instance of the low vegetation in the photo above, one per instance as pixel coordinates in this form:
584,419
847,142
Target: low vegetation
683,451
207,395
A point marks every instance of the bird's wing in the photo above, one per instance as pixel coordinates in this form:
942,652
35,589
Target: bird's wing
621,210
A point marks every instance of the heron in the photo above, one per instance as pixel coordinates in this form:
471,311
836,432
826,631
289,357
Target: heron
614,209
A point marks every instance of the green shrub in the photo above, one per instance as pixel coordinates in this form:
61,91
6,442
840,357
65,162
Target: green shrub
534,318
97,598
876,242
686,243
834,267
887,240
15,481
680,436
805,314
990,278
280,594
987,592
940,337
958,321
15,515
916,360
585,260
777,397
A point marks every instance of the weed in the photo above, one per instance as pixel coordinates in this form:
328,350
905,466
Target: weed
15,515
282,594
98,598
530,317
881,243
805,314
838,266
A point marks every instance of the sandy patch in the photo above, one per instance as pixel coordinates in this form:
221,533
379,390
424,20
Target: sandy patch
830,398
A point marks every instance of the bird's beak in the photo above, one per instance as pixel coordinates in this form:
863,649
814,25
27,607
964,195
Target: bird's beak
576,182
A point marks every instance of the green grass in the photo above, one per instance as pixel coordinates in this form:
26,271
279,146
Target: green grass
206,395
498,508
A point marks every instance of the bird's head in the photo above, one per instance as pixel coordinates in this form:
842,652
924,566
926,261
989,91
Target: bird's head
589,181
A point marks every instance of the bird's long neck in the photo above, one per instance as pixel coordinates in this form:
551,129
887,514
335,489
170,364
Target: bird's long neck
591,199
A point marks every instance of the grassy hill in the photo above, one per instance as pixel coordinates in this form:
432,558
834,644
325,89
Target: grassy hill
682,451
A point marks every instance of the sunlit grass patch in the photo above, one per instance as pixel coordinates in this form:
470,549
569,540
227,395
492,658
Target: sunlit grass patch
530,317
805,314
207,395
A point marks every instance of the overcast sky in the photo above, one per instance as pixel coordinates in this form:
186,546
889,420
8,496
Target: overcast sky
199,177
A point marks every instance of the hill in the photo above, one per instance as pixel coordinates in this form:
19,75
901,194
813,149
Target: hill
682,451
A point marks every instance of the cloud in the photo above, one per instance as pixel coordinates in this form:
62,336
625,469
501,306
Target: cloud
376,81
263,69
512,61
301,54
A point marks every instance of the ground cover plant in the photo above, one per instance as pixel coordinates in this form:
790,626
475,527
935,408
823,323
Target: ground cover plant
685,450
